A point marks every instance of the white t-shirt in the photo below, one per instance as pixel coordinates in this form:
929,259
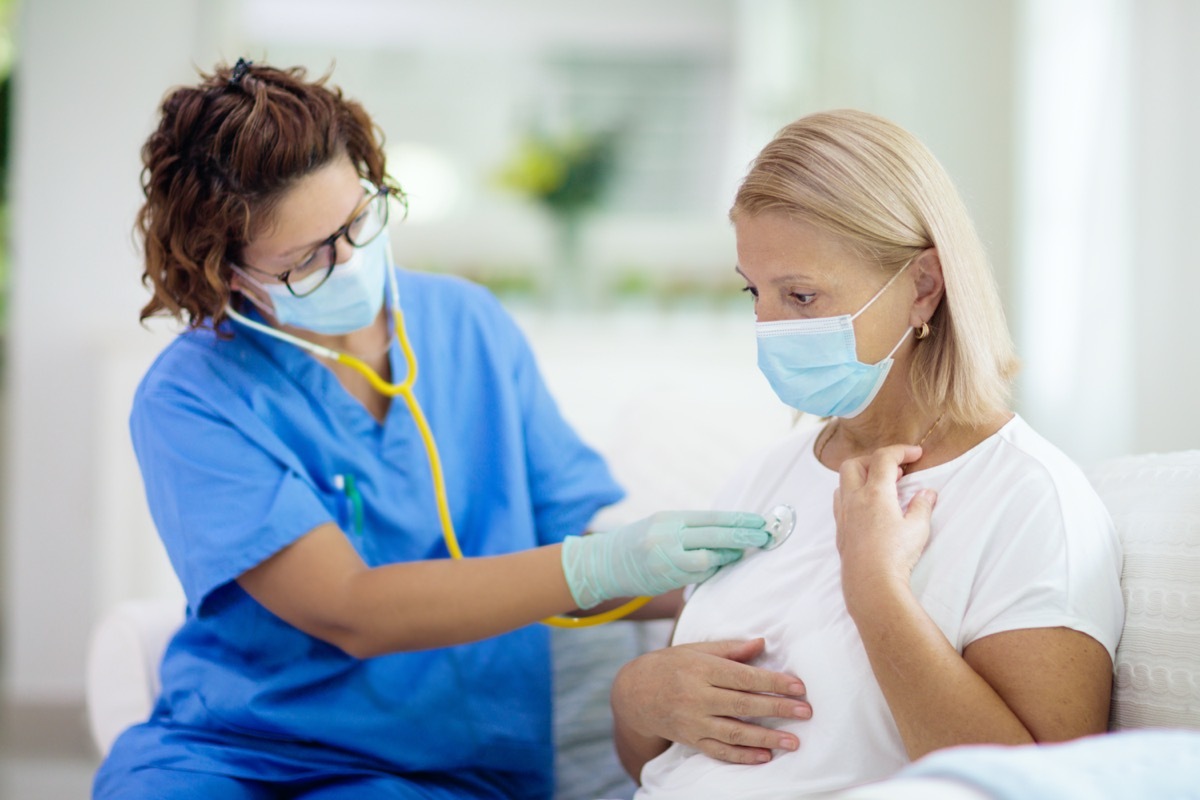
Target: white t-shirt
1019,540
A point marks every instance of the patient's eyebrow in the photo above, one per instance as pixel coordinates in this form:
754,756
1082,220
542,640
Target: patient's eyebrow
792,277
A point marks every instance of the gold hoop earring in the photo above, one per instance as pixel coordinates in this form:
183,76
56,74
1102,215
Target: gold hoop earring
923,331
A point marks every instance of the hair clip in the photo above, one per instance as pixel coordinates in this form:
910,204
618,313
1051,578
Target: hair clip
239,71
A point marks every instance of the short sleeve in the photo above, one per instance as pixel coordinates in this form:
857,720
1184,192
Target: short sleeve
222,501
1053,561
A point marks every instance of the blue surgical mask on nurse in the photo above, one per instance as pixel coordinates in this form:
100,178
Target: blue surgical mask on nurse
349,299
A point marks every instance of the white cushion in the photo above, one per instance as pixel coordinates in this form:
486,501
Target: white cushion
122,666
1154,501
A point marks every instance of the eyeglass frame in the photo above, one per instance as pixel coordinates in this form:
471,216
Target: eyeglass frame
331,241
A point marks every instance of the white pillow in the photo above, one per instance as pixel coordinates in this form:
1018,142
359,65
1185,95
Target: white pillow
1154,501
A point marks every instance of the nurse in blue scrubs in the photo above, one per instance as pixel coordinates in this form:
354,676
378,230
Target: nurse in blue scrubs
332,648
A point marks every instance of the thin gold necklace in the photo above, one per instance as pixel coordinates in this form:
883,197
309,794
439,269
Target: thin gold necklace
834,429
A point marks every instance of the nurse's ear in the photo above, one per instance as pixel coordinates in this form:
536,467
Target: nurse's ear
930,287
255,294
238,283
235,282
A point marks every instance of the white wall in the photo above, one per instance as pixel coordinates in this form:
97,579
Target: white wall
1073,320
88,81
1164,265
1109,118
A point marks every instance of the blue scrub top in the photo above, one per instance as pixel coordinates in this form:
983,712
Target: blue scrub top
246,444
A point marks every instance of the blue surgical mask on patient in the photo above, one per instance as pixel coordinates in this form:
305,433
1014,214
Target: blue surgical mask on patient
349,299
813,366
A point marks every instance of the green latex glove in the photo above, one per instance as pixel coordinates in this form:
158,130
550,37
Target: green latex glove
657,554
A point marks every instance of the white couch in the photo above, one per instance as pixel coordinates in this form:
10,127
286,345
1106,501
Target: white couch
1154,501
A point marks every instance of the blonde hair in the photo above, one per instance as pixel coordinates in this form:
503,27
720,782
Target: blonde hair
873,185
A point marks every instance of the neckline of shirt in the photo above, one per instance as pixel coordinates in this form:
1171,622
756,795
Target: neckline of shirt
912,477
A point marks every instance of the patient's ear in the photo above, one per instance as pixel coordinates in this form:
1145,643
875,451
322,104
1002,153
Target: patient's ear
929,284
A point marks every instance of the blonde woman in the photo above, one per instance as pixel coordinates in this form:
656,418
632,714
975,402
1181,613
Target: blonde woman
952,577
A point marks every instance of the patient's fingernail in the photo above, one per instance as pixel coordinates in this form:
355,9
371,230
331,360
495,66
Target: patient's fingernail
803,712
788,744
762,758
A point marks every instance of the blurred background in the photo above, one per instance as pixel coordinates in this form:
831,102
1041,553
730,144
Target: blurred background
579,158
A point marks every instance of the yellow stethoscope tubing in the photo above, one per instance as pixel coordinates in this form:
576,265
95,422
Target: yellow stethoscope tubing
404,390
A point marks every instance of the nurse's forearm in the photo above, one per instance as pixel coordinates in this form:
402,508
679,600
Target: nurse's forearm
320,585
419,605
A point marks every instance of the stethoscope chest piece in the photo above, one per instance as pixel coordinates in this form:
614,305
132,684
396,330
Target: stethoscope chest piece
780,524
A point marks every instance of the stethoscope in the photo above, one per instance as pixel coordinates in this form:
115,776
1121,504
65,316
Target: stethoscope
404,389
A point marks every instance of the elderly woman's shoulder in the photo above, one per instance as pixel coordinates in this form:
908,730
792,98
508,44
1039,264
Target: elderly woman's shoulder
1035,466
1022,442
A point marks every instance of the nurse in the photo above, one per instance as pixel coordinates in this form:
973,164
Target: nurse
331,647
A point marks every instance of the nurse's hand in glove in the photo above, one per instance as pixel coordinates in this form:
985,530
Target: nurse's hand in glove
665,551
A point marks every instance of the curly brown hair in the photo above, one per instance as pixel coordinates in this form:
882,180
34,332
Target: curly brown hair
224,154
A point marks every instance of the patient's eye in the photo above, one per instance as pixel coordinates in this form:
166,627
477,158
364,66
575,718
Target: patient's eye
802,299
752,291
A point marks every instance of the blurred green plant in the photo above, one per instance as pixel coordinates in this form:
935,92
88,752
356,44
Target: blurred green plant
566,174
634,283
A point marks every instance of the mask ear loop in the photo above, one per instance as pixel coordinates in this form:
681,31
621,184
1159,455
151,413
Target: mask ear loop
405,392
903,339
878,294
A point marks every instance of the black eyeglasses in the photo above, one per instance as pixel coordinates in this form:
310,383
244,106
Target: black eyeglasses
366,223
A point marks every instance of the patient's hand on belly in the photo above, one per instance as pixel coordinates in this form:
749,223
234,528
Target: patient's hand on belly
695,694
